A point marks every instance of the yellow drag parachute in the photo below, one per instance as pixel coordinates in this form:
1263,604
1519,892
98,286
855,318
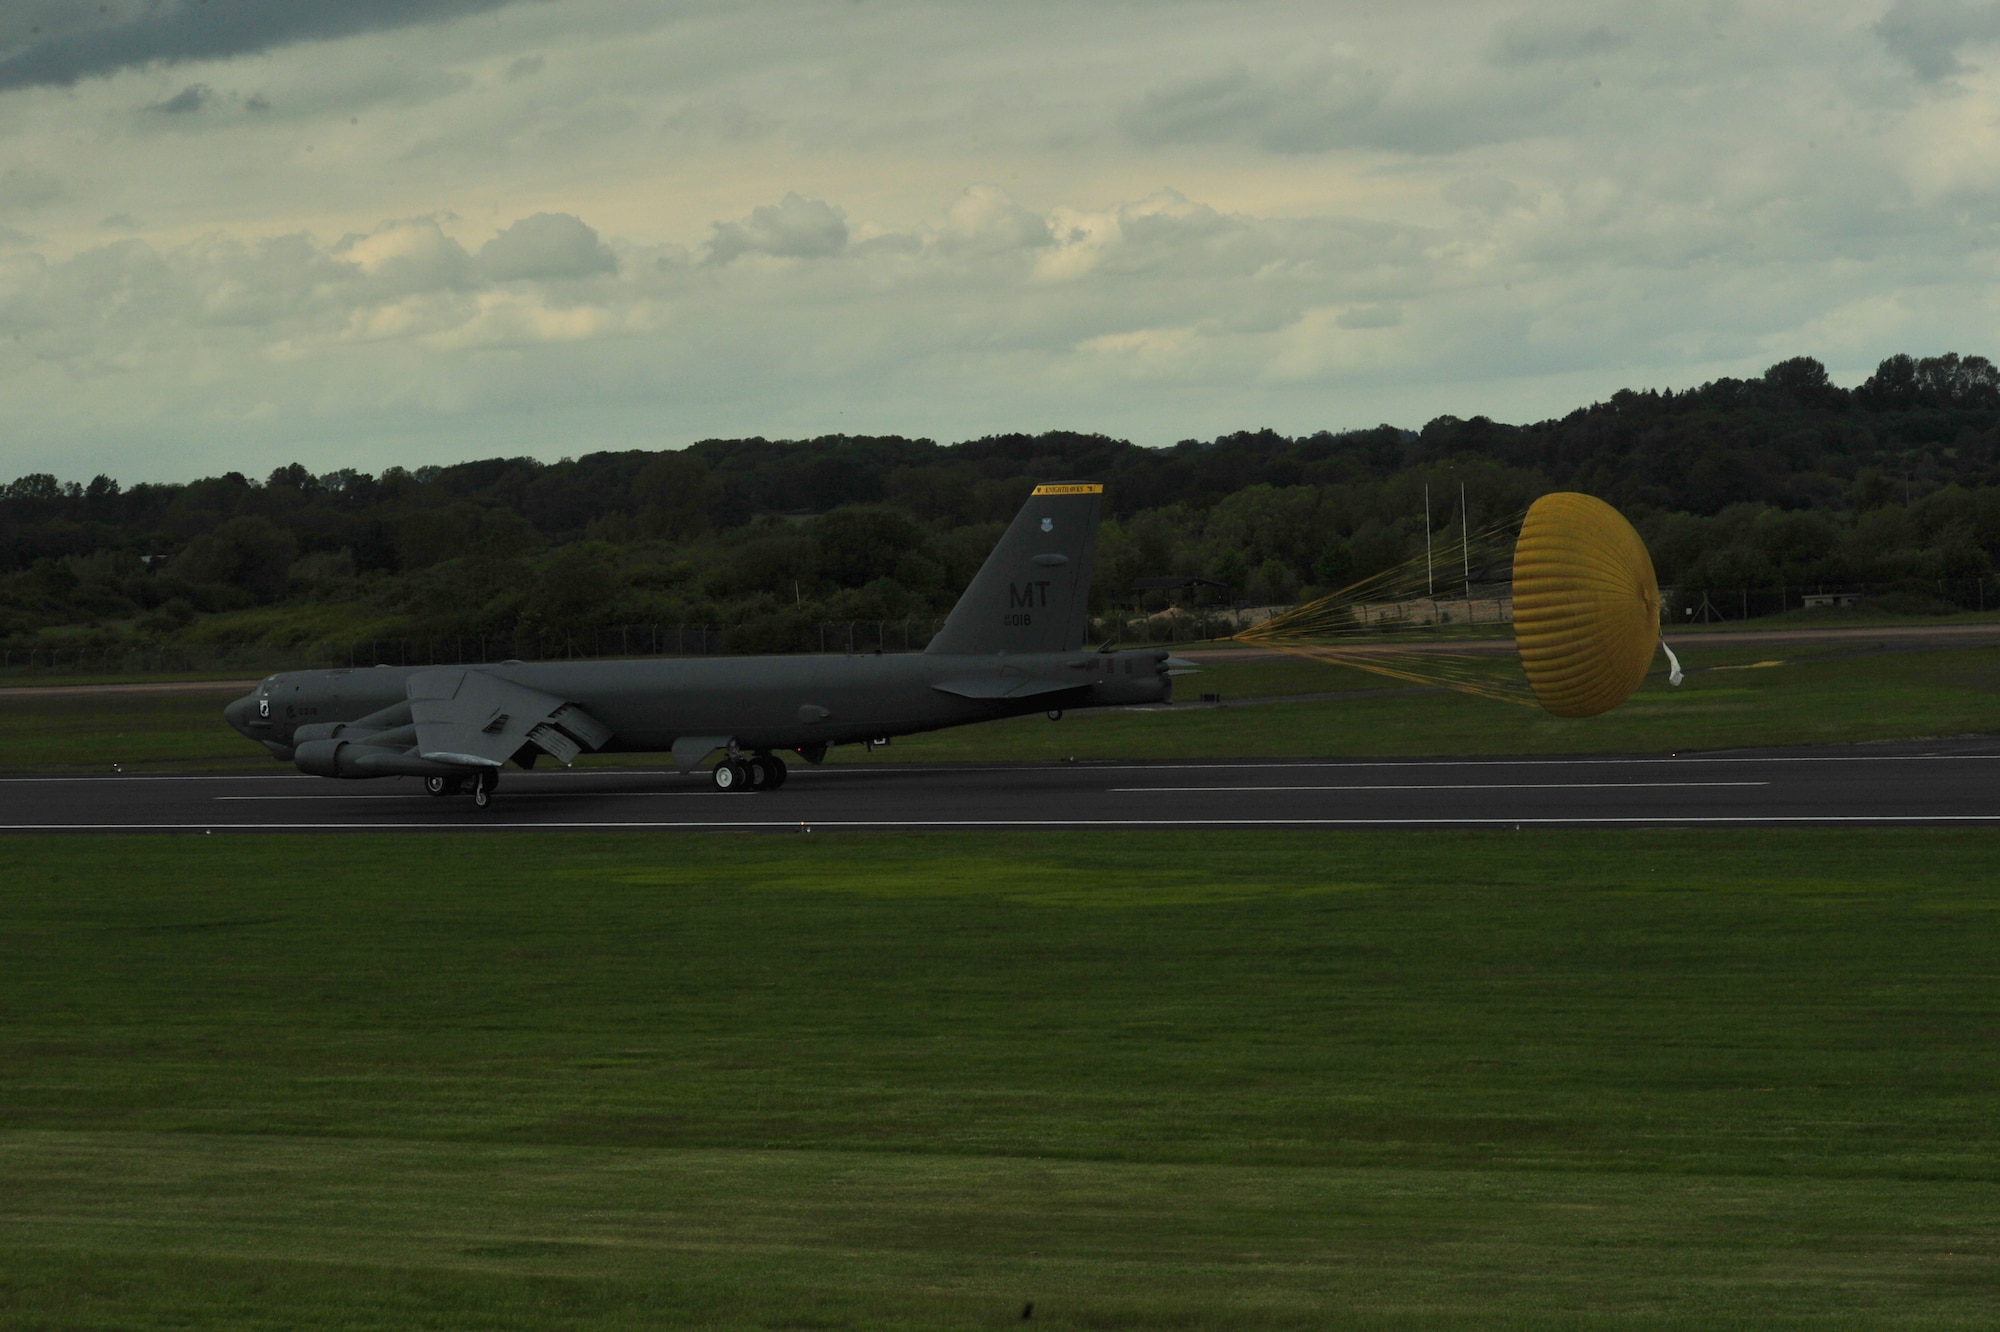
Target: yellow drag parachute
1584,602
1586,605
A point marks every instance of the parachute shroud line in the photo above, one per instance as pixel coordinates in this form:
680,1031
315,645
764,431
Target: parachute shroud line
1581,594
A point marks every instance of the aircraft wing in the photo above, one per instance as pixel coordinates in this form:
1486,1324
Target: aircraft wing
472,718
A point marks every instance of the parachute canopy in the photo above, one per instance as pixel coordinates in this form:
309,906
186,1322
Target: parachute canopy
1586,605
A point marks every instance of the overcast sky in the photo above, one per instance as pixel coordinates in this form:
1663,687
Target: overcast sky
235,233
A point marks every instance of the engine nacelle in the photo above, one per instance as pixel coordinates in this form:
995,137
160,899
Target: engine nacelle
349,758
321,758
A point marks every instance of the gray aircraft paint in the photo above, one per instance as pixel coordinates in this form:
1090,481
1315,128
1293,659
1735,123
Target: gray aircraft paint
1013,644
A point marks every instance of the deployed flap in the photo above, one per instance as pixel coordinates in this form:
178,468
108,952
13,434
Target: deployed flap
472,718
1005,686
692,749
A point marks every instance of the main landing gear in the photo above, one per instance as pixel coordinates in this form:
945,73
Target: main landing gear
765,772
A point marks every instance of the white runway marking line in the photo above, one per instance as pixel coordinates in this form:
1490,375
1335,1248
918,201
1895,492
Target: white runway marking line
1572,762
862,825
169,777
1417,786
1088,765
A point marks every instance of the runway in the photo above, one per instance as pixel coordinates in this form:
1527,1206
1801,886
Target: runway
1943,783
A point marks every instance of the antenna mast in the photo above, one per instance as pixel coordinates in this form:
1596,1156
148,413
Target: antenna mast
1465,541
1430,582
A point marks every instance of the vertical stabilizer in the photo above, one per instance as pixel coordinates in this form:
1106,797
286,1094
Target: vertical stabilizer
1033,592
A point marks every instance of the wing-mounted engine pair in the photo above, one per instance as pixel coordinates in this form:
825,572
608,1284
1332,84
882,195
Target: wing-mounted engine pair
454,722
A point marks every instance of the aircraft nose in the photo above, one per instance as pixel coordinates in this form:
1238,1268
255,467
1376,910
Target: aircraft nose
238,714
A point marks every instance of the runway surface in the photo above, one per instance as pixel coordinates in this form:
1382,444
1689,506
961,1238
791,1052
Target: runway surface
1946,783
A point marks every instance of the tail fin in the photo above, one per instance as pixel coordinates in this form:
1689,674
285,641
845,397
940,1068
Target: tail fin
1033,592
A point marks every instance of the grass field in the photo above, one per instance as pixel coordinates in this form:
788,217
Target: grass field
1734,698
1194,1080
137,732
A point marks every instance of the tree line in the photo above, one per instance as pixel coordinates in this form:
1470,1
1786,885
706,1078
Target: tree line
1785,478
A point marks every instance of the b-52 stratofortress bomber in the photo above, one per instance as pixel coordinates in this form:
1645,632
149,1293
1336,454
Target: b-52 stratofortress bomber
1014,644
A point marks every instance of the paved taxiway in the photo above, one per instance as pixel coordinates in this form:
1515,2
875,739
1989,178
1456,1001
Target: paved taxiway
1950,782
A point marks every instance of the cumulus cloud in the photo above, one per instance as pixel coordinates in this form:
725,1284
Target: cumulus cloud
1927,34
174,32
985,218
547,245
792,228
407,257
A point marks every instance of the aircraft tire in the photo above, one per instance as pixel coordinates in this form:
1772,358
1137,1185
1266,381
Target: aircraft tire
775,771
439,786
727,776
482,787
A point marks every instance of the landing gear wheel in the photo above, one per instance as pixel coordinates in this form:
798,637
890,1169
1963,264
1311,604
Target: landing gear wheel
729,776
775,771
755,775
443,786
482,790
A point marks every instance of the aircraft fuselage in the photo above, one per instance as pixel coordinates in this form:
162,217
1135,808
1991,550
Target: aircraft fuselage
761,703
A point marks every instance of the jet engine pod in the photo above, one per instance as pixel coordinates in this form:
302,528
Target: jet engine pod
321,758
354,758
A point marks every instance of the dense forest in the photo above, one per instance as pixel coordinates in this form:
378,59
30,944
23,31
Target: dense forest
1740,483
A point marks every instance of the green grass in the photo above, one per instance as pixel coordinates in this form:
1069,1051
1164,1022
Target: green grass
136,732
71,679
1729,700
1191,1080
